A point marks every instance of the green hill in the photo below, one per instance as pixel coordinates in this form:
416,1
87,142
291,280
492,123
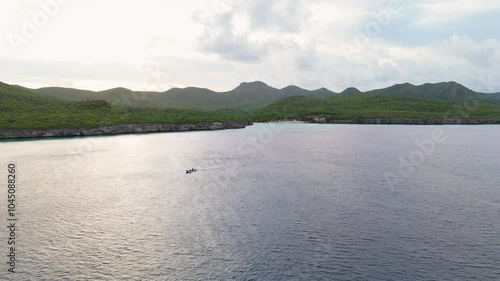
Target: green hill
62,107
369,106
293,91
445,91
246,97
68,93
351,91
24,108
117,96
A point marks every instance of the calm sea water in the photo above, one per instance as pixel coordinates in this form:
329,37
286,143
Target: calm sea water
269,202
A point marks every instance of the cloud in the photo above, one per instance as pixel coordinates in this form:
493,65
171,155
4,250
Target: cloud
485,54
457,58
220,43
249,31
220,37
443,11
280,15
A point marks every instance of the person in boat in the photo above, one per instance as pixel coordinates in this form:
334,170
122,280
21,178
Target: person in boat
190,170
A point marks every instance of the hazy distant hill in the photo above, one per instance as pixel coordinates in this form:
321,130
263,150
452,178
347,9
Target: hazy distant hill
293,91
351,91
256,95
67,93
246,97
445,91
117,96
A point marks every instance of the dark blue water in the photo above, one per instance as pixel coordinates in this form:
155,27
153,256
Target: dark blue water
270,202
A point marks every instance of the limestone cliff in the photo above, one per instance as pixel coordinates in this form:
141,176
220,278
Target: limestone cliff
121,129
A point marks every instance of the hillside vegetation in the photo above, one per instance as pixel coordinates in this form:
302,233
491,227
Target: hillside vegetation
445,91
369,106
23,108
58,107
248,97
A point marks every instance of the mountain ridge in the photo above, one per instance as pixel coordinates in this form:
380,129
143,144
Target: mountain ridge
401,103
23,108
249,96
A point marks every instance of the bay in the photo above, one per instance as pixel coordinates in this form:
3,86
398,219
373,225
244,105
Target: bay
269,202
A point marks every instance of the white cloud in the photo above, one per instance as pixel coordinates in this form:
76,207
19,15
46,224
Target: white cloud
220,43
442,11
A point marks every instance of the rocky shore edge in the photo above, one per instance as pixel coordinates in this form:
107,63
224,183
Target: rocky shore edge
121,129
408,121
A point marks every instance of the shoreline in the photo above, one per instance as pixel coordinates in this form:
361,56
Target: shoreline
390,121
410,121
121,129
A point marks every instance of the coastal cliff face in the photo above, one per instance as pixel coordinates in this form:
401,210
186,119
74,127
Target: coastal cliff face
122,129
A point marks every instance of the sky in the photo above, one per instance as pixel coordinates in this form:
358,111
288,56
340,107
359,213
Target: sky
154,45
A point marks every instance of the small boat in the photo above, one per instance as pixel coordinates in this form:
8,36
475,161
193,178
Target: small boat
192,170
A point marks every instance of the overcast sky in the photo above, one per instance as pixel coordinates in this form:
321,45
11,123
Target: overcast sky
159,44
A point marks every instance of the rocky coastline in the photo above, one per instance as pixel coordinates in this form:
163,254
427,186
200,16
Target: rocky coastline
408,121
121,129
12,133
